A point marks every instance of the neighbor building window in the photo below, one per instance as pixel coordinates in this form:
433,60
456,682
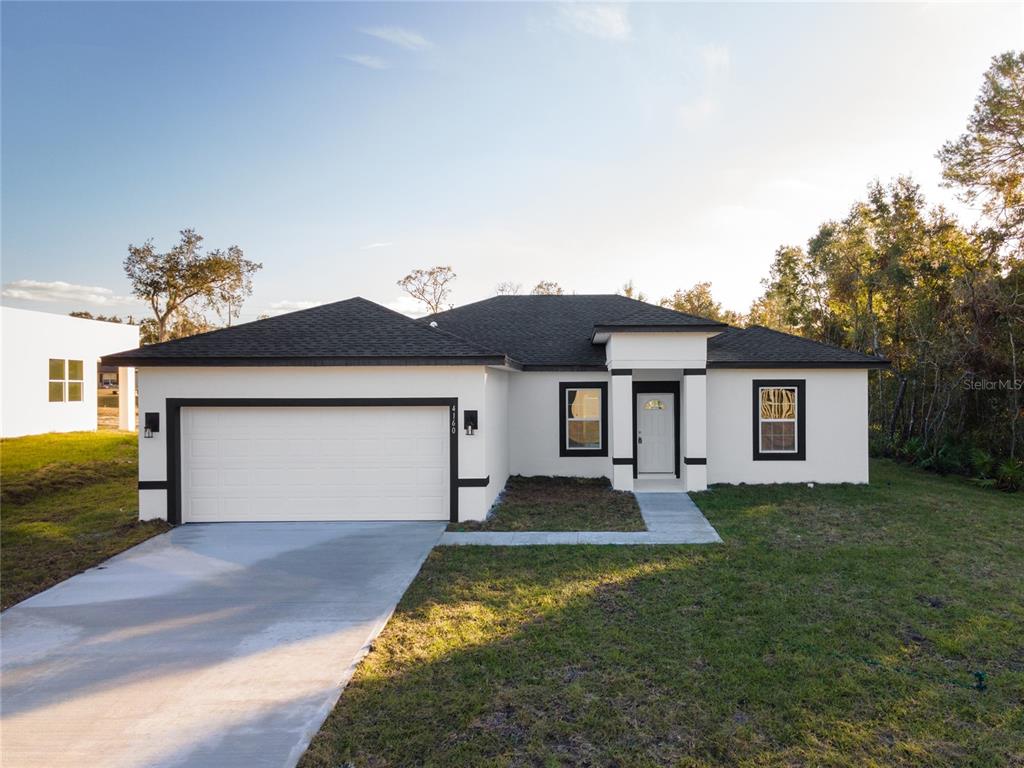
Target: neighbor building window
75,381
66,381
58,376
779,420
583,412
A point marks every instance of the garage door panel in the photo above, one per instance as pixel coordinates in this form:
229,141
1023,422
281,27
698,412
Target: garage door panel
313,463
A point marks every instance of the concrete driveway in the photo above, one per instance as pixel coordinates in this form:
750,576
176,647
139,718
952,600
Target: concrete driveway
212,645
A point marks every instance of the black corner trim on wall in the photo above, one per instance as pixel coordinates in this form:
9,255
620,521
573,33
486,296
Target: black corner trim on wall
623,462
152,485
695,371
690,460
622,371
474,482
801,420
659,386
582,452
175,404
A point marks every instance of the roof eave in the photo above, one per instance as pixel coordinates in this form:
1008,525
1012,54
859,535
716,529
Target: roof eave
602,330
866,364
322,361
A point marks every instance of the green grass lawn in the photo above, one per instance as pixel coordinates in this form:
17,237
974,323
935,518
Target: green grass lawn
69,502
837,626
560,504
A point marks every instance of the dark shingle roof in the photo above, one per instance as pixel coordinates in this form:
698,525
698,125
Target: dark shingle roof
528,331
557,331
354,331
762,347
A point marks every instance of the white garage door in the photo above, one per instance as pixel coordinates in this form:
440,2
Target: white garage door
314,463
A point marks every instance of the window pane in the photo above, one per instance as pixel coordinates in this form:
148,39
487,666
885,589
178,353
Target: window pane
778,436
584,434
75,370
778,403
56,391
56,370
74,391
585,403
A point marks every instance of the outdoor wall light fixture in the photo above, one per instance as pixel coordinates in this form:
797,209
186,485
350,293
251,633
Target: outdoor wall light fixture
151,424
470,422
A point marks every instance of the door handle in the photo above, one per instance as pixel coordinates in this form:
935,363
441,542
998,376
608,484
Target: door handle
639,440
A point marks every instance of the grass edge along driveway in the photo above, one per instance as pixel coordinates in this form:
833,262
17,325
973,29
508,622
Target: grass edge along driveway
839,625
70,501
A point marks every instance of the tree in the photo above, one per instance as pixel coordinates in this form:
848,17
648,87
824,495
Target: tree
86,315
185,323
630,292
508,288
430,286
179,284
987,162
547,288
699,301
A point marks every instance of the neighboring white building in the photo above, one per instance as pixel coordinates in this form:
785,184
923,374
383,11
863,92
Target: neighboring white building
350,411
48,371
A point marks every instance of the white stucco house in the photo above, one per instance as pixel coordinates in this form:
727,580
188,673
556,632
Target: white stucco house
48,372
350,411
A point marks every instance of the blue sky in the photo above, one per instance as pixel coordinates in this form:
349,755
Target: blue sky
344,144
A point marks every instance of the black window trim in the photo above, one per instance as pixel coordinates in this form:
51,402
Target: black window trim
800,454
563,450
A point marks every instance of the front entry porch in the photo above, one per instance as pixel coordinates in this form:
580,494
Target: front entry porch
659,429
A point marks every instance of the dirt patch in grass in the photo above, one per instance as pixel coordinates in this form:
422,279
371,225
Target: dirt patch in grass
560,504
64,476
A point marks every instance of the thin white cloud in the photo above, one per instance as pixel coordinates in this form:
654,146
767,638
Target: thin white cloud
601,20
365,60
60,291
287,305
715,62
407,305
371,246
715,58
403,38
697,111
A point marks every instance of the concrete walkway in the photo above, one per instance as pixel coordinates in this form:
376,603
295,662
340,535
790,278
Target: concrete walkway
671,518
211,646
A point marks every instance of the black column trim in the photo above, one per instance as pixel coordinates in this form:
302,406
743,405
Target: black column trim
173,406
690,460
623,462
622,371
152,485
695,371
474,482
658,386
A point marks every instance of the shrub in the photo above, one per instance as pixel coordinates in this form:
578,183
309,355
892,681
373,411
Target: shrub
1010,475
982,463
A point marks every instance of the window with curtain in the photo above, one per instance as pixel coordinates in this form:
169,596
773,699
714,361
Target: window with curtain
583,419
777,419
583,413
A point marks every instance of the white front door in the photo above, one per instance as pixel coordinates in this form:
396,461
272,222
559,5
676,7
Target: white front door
314,463
655,432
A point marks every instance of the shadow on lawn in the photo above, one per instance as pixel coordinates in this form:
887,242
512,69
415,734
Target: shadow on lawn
654,656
